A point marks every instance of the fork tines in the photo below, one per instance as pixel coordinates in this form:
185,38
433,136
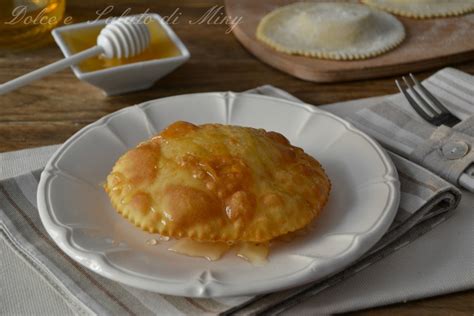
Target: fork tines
424,103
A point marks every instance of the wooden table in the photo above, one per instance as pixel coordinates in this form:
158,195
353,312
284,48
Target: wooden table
51,110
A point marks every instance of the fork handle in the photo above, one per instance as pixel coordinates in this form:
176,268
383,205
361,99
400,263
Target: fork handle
466,180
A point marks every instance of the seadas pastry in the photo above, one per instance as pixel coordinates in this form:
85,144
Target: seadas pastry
218,183
424,8
332,30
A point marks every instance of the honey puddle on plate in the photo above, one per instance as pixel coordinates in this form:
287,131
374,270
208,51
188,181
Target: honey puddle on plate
210,250
255,253
161,46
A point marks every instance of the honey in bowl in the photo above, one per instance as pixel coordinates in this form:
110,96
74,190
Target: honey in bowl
161,46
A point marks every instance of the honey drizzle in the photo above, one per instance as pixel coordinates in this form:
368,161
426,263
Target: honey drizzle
254,253
210,250
155,241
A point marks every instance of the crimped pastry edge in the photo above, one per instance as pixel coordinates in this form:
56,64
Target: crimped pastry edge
417,15
322,54
178,234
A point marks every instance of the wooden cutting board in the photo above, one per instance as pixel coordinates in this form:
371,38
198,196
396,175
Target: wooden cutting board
429,43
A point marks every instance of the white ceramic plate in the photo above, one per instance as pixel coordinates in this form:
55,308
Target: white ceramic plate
77,213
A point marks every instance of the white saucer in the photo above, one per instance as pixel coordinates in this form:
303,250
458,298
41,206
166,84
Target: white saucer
77,213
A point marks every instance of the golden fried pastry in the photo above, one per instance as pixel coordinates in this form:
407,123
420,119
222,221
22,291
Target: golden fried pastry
218,183
424,8
332,30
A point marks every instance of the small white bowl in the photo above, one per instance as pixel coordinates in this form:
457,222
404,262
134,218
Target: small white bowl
129,77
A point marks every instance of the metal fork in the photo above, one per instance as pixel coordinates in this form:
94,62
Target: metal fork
428,107
433,112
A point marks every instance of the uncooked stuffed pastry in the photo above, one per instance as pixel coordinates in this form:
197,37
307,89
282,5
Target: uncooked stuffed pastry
332,30
424,8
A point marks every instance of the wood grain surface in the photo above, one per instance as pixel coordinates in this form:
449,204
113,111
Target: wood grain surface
429,43
51,110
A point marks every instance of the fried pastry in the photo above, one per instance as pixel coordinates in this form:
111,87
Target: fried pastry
332,30
424,8
217,182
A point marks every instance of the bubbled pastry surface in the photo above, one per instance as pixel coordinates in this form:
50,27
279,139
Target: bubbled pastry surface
217,182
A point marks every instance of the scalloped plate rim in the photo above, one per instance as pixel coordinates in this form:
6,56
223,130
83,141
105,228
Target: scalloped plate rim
99,263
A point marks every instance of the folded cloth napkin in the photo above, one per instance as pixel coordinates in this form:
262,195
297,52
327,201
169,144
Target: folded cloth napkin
426,201
445,151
